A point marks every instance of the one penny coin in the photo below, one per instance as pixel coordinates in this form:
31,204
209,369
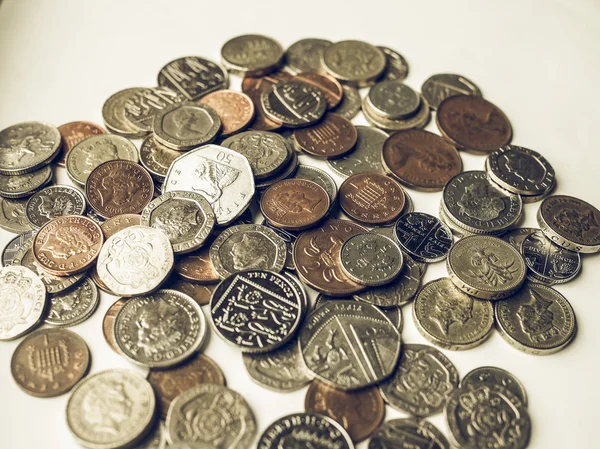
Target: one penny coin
235,109
332,137
68,245
473,124
199,293
108,323
359,412
327,84
49,362
196,267
119,187
254,87
420,159
372,198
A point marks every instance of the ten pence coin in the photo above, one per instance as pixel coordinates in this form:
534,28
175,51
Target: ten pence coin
350,104
396,66
408,433
73,306
443,85
366,156
305,55
251,55
193,77
294,103
332,137
53,202
354,62
72,133
113,114
235,109
144,104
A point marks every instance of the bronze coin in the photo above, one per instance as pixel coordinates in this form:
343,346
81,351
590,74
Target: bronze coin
93,274
327,84
332,137
294,204
169,383
71,134
420,159
68,245
196,267
235,109
317,257
254,87
473,124
49,362
108,323
115,224
119,187
372,198
359,412
198,292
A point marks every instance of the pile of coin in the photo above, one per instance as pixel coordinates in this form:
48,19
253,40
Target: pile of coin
174,225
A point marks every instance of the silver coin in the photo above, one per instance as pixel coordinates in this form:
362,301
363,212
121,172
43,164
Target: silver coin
191,445
305,55
257,310
350,104
113,114
394,314
222,176
294,103
366,156
157,439
285,173
183,126
393,99
12,215
251,55
320,177
185,217
266,152
21,186
504,415
441,86
193,77
159,330
491,375
408,433
211,414
486,267
91,213
300,289
26,147
349,344
516,236
422,382
289,237
418,120
355,62
11,248
423,237
305,430
95,150
479,205
451,319
111,409
456,229
22,301
54,201
371,259
396,67
156,158
74,305
537,320
135,261
144,104
549,263
247,247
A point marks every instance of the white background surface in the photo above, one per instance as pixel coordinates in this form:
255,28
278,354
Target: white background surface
537,60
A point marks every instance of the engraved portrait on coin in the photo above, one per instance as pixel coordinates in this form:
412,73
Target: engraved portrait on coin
25,147
52,202
74,305
186,125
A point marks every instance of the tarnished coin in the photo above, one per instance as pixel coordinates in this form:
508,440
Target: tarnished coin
327,84
212,414
222,176
422,382
571,223
408,433
49,362
26,147
359,412
144,104
113,114
156,158
285,173
254,88
501,411
235,109
354,62
115,224
491,375
280,370
549,263
257,310
11,248
350,104
443,85
52,202
21,186
366,156
72,133
305,55
486,267
159,330
420,159
451,319
294,103
537,320
193,77
320,177
22,301
73,306
473,124
251,55
157,438
183,126
198,292
302,430
516,236
332,137
197,267
111,409
170,383
394,314
13,217
135,261
289,237
108,323
94,151
418,120
393,99
423,237
396,67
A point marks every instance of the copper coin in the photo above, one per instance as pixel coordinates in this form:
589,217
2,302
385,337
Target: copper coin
119,187
93,274
169,383
235,109
294,204
331,138
327,84
372,198
473,124
196,267
199,293
254,88
115,224
359,412
49,362
420,159
68,245
108,323
317,257
72,133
